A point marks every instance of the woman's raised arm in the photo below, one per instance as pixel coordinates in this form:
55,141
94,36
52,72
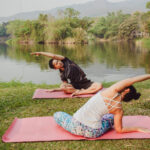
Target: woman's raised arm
119,86
54,56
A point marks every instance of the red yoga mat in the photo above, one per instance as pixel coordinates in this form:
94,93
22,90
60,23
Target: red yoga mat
37,129
41,93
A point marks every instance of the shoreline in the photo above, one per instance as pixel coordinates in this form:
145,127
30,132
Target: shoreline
8,40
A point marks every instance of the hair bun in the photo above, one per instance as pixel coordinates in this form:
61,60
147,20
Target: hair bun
137,96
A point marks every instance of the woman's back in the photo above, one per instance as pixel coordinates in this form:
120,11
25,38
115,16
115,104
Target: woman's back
91,112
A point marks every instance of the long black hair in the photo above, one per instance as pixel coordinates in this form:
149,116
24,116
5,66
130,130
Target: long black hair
133,94
51,64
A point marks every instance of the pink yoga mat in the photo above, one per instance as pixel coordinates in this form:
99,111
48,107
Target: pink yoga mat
45,129
41,93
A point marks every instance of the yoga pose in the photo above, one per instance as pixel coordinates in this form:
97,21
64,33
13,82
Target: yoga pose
73,78
102,111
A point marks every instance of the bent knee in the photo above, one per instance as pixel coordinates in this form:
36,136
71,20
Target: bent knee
57,115
69,90
60,117
97,86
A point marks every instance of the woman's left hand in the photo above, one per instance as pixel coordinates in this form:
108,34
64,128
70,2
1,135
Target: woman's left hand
51,90
77,92
144,130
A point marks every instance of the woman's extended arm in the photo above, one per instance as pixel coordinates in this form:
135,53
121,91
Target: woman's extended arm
120,129
54,56
128,82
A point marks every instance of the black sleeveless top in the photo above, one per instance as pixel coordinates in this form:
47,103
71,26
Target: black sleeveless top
74,75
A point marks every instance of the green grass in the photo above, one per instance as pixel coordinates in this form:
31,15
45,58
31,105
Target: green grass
16,101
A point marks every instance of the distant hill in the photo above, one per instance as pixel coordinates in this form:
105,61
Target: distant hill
90,9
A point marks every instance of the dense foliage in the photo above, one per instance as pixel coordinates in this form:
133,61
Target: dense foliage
50,29
68,27
108,26
122,26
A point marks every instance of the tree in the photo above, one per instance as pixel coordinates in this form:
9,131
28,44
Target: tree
108,26
38,33
43,18
99,29
129,28
71,13
3,30
80,35
60,29
85,23
148,5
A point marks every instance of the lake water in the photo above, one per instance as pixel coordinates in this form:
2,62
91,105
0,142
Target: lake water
101,61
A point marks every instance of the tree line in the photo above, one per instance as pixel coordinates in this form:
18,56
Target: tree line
122,26
69,27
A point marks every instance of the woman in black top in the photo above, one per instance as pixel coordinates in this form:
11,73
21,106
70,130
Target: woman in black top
73,78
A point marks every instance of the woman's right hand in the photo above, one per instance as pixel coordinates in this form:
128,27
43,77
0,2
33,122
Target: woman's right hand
36,53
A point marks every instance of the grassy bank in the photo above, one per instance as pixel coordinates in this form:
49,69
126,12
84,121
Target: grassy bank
16,101
145,43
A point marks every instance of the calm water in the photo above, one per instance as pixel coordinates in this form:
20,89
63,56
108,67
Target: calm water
101,62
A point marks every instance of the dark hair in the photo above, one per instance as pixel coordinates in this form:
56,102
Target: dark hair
51,64
132,94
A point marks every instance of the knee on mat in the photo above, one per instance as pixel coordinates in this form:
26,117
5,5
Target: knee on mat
60,116
68,90
57,116
62,119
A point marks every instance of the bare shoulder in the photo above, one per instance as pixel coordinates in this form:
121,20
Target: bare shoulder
109,92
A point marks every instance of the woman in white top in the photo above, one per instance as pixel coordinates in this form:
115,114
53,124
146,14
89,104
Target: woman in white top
102,111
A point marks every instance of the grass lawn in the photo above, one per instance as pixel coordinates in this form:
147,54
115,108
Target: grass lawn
145,43
16,101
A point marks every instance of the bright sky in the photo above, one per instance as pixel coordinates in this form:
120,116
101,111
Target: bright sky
11,7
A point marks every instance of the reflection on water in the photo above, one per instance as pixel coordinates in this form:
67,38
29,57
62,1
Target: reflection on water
101,61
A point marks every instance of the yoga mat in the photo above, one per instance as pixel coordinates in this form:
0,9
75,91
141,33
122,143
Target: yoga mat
41,93
45,129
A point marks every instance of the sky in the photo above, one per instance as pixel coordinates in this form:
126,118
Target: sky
11,7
